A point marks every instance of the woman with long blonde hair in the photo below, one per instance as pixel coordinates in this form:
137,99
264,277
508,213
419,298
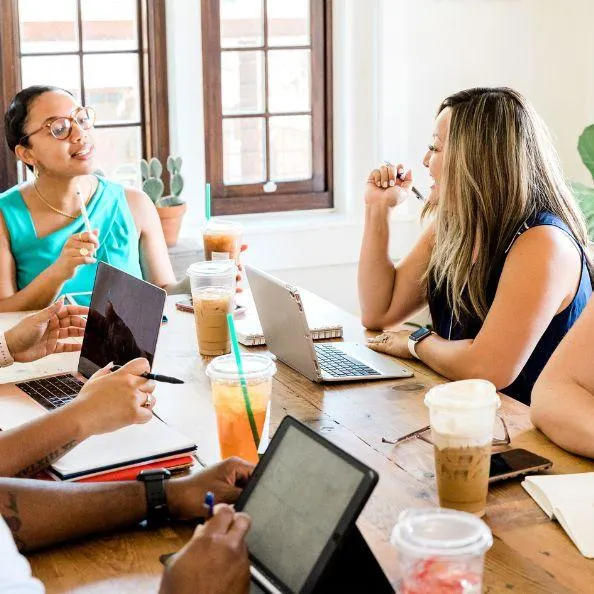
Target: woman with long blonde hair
502,264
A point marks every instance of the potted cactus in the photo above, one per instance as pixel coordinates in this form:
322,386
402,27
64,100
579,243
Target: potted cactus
171,208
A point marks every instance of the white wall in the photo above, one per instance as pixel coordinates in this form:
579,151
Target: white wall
394,61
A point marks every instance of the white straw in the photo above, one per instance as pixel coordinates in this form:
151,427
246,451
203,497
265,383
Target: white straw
83,210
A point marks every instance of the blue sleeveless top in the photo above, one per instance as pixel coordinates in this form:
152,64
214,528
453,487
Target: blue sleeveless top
469,327
108,211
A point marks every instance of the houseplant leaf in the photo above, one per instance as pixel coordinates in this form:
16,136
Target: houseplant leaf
586,148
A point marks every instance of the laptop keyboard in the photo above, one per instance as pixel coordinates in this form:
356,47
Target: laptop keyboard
52,392
338,364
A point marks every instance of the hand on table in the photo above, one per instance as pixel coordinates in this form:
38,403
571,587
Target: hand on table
40,334
226,480
391,343
215,560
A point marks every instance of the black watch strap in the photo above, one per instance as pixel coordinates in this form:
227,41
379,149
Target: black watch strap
156,497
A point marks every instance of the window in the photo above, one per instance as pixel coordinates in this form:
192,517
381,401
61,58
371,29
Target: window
110,55
267,104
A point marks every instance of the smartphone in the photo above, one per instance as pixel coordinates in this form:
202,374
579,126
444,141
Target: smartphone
513,463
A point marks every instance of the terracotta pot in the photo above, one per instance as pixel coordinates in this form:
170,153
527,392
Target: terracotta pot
171,218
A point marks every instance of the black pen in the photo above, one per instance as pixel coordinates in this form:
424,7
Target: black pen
166,379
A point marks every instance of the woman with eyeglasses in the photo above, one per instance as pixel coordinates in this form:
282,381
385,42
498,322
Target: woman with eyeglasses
45,248
502,264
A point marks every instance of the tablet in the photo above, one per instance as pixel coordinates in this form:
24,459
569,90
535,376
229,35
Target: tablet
82,298
303,498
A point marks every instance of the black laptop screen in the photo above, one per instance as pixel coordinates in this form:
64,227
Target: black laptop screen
296,506
123,322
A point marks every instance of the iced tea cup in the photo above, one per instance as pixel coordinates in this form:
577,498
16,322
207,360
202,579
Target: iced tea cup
462,418
222,240
440,550
235,432
213,295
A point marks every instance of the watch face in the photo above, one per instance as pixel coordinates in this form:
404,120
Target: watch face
419,334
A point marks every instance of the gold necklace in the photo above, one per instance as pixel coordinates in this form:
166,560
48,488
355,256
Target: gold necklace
64,214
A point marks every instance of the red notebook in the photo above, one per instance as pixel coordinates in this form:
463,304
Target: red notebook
127,473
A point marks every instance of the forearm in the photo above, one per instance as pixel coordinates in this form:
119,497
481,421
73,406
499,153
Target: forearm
376,272
564,411
28,449
178,287
38,294
461,359
41,513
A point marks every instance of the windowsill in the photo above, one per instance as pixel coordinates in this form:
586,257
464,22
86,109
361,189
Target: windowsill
283,222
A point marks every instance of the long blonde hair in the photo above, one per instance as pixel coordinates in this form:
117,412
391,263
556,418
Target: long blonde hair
499,168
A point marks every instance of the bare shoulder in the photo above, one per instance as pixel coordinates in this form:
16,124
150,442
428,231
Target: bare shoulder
137,198
545,245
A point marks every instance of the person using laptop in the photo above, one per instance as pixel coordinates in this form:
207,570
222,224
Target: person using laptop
107,401
503,264
46,248
38,514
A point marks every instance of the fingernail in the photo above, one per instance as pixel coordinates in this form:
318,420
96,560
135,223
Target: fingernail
392,182
385,184
378,184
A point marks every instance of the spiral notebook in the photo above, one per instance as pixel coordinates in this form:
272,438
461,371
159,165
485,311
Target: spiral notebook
249,331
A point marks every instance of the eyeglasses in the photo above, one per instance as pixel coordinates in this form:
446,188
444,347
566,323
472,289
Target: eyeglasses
424,434
60,127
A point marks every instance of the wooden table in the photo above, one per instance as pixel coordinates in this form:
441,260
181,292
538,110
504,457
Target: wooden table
530,552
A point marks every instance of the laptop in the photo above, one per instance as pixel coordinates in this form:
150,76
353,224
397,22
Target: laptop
123,323
288,337
303,499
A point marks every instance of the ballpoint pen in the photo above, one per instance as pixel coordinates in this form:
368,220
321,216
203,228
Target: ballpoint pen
155,376
400,175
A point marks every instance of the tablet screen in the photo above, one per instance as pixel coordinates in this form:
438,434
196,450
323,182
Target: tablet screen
297,504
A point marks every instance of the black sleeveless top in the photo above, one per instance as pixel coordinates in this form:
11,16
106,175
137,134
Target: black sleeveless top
467,328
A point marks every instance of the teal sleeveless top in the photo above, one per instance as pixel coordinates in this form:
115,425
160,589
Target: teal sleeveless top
108,211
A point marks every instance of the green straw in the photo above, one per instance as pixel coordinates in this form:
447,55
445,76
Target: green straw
244,388
207,202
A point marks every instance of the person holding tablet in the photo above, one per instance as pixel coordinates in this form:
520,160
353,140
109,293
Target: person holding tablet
502,264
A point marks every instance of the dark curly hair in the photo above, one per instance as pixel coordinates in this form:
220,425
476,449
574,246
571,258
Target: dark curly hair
17,113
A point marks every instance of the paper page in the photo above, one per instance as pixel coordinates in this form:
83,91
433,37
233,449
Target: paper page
554,490
578,522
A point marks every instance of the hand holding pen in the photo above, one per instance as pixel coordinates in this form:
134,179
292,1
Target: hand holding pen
389,185
155,376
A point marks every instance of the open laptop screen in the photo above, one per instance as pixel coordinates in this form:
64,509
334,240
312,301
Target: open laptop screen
298,504
123,322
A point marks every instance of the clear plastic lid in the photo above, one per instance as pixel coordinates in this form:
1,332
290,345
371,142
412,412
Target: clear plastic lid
254,367
222,227
212,268
440,532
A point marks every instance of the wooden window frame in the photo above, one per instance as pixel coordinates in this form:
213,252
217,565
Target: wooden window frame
314,193
152,51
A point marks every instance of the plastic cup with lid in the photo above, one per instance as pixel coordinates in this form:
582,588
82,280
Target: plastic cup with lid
441,551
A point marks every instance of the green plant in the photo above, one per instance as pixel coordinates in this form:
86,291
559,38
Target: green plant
153,185
585,194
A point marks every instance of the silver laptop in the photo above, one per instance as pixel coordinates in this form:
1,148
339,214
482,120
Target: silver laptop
287,334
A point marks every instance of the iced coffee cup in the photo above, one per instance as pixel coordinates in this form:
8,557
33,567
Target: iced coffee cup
213,294
222,240
440,550
462,418
236,437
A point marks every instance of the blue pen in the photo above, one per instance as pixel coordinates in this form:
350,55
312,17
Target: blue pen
209,502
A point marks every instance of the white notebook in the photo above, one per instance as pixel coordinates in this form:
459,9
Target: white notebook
249,331
569,498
